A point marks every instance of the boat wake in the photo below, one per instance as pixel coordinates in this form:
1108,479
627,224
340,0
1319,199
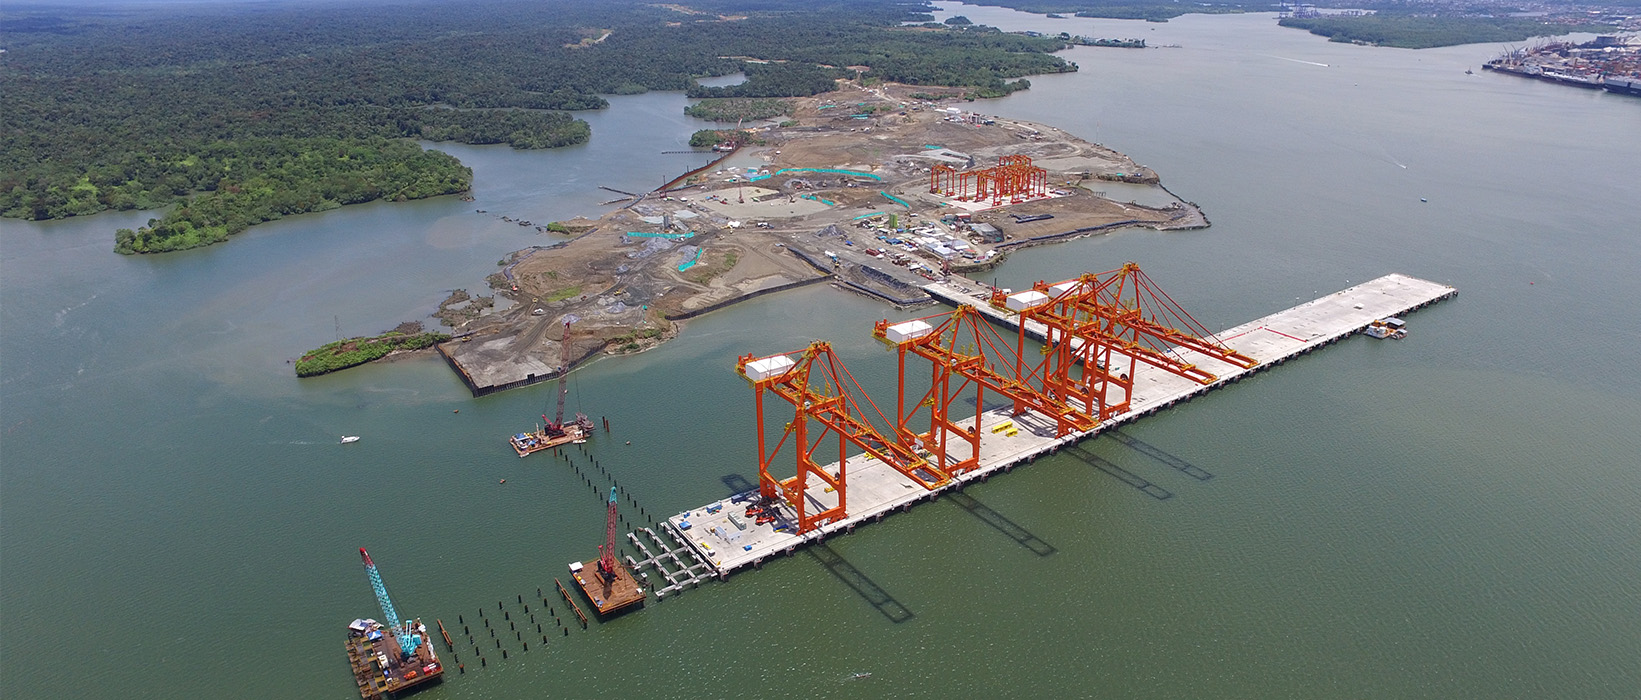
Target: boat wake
1295,60
57,318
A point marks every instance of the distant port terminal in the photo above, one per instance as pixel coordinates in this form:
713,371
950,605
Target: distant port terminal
1611,63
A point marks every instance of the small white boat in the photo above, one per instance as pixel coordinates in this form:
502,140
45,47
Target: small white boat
349,438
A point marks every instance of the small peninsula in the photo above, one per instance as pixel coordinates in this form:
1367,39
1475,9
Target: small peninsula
352,352
867,188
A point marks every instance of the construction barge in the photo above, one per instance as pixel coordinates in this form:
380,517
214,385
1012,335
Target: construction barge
380,666
784,515
393,658
608,584
610,593
548,436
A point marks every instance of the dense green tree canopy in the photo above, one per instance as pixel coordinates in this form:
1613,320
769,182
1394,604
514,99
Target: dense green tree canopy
1423,32
145,106
254,180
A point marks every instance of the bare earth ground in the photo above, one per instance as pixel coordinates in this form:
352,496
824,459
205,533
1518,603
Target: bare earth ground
733,238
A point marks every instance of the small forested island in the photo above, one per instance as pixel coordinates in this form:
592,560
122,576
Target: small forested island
234,116
352,352
1108,43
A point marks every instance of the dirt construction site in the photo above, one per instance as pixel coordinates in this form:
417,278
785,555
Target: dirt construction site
866,189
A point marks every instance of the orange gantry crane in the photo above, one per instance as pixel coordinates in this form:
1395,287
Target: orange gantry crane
1100,327
1014,177
822,391
943,180
966,354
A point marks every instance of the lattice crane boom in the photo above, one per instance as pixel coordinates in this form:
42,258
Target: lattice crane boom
563,374
407,638
606,551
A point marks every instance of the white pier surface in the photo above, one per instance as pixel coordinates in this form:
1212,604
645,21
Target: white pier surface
875,490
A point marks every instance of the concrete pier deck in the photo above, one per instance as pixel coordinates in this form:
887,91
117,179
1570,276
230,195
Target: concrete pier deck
876,490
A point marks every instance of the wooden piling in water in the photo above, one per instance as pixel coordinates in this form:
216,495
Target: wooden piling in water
447,645
573,606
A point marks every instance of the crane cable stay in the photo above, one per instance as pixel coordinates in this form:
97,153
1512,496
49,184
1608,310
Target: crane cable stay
402,632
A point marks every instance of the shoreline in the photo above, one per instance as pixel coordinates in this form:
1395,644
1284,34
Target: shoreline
806,217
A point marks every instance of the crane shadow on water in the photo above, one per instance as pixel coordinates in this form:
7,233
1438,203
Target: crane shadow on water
1158,454
1081,454
737,484
859,582
997,520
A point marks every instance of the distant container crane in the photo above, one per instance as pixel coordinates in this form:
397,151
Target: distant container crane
1014,178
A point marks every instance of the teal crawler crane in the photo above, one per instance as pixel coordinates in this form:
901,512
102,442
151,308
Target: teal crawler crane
403,631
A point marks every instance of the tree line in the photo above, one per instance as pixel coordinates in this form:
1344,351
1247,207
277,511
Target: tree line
250,181
1424,32
141,107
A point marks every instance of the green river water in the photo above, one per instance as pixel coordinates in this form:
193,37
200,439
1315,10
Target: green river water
1451,516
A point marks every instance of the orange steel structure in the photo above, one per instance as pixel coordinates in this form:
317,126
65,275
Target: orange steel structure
943,180
964,348
819,388
1013,177
1101,326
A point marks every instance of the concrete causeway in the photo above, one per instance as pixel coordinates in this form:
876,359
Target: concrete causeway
876,490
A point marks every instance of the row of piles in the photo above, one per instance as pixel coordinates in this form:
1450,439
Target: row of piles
479,643
599,483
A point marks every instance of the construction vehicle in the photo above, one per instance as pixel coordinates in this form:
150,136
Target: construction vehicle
392,656
550,434
610,587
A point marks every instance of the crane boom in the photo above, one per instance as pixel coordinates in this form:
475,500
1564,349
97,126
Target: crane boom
408,640
563,374
606,558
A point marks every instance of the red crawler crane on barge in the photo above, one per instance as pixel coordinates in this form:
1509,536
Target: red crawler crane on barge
553,433
610,587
